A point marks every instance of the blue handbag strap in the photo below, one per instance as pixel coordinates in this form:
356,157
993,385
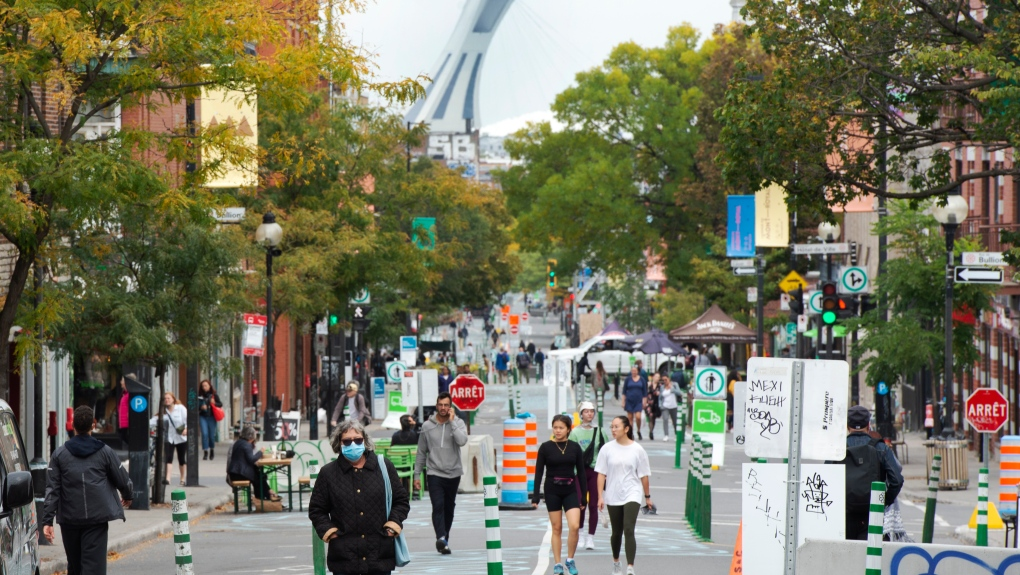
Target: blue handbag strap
386,481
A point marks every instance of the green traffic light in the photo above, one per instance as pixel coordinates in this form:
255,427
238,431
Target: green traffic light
829,317
333,320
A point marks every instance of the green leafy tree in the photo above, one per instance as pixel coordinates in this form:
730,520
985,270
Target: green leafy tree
64,62
913,285
913,80
675,308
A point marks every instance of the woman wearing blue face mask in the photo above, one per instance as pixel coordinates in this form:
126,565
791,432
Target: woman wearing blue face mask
348,506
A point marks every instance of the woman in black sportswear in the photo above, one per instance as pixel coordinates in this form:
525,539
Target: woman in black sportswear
562,462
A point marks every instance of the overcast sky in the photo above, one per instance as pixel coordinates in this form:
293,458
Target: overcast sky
539,47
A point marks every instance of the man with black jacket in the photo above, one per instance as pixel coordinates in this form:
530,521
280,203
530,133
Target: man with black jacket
864,452
81,493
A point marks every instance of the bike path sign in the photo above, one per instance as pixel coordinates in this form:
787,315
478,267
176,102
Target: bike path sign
709,416
709,382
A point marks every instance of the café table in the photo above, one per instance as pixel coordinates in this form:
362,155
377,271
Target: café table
282,466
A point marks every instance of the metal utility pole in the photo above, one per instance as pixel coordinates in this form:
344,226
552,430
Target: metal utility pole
760,302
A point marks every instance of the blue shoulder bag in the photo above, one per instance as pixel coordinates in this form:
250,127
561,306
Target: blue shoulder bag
399,543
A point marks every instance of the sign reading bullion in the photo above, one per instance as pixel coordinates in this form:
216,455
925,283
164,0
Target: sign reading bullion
714,326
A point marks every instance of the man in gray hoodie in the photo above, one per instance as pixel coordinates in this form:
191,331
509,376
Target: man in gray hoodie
81,493
439,454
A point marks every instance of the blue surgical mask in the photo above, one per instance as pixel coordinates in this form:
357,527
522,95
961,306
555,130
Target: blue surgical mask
353,452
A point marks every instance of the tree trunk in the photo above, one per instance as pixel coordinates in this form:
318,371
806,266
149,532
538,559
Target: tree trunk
15,289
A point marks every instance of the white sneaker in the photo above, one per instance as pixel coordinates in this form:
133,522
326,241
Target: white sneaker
589,542
617,568
630,570
665,439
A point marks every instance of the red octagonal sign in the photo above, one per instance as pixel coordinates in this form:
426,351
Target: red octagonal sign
467,392
987,410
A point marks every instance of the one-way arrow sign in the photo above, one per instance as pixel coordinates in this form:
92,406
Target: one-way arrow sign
744,271
977,275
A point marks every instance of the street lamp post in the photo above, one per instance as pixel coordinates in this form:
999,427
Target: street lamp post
269,234
950,216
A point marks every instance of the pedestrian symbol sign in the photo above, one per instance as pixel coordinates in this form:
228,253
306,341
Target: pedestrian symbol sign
792,281
709,382
709,416
139,403
853,280
395,371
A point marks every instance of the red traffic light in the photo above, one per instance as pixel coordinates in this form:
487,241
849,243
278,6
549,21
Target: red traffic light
828,288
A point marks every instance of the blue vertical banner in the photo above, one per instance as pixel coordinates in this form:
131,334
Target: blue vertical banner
740,226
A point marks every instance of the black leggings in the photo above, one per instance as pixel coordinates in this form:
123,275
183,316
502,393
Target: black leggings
182,452
623,518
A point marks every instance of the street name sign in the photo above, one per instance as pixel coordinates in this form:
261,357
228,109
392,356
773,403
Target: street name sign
746,263
982,259
820,249
792,281
987,410
977,275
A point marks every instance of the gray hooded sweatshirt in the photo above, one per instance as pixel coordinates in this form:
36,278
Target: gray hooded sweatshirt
439,448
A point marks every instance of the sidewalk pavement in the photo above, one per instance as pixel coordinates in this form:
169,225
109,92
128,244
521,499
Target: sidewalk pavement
915,474
144,526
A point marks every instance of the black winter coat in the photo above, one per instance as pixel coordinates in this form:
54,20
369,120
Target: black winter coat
84,478
354,501
242,459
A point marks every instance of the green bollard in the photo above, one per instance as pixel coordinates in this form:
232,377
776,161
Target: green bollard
493,539
601,404
876,519
694,490
928,529
706,494
318,546
683,419
679,442
982,508
182,532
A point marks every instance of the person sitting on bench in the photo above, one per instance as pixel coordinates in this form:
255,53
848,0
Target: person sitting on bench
241,466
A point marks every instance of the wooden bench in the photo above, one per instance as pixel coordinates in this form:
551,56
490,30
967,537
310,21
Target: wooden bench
302,483
237,487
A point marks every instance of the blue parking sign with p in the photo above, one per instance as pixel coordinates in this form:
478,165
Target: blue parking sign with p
139,403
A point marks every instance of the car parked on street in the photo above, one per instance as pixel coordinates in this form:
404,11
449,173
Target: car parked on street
19,526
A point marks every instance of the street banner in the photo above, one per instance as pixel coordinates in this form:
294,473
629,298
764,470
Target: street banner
771,218
254,334
821,511
424,230
740,227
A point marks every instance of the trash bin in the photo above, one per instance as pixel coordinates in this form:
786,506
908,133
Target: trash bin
954,474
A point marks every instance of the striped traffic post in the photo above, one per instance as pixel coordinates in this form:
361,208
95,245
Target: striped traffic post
679,441
876,519
318,546
681,437
928,529
493,540
182,532
982,508
693,483
706,493
600,403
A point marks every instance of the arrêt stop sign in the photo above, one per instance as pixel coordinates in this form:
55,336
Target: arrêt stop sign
467,392
987,410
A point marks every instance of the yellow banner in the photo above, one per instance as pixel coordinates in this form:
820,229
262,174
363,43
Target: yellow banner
771,219
223,107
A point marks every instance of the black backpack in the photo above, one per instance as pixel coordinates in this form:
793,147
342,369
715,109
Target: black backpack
863,465
589,453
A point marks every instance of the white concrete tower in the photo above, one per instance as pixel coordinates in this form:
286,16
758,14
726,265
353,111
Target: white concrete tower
451,102
737,5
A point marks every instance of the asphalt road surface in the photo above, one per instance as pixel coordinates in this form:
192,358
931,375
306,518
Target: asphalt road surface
281,542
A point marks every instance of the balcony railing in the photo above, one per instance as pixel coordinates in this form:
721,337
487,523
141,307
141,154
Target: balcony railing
987,233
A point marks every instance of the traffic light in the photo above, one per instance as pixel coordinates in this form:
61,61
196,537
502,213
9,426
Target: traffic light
867,304
847,307
550,266
797,300
830,303
333,319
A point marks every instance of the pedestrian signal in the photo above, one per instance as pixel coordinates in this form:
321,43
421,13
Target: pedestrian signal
797,300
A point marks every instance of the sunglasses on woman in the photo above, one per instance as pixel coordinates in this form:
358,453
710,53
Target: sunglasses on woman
356,440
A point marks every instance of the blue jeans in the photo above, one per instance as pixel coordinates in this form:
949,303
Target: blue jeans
208,424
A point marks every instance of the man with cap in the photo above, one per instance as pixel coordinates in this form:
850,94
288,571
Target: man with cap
867,459
591,439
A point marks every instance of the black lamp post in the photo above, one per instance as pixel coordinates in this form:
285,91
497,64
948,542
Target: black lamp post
269,234
950,216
